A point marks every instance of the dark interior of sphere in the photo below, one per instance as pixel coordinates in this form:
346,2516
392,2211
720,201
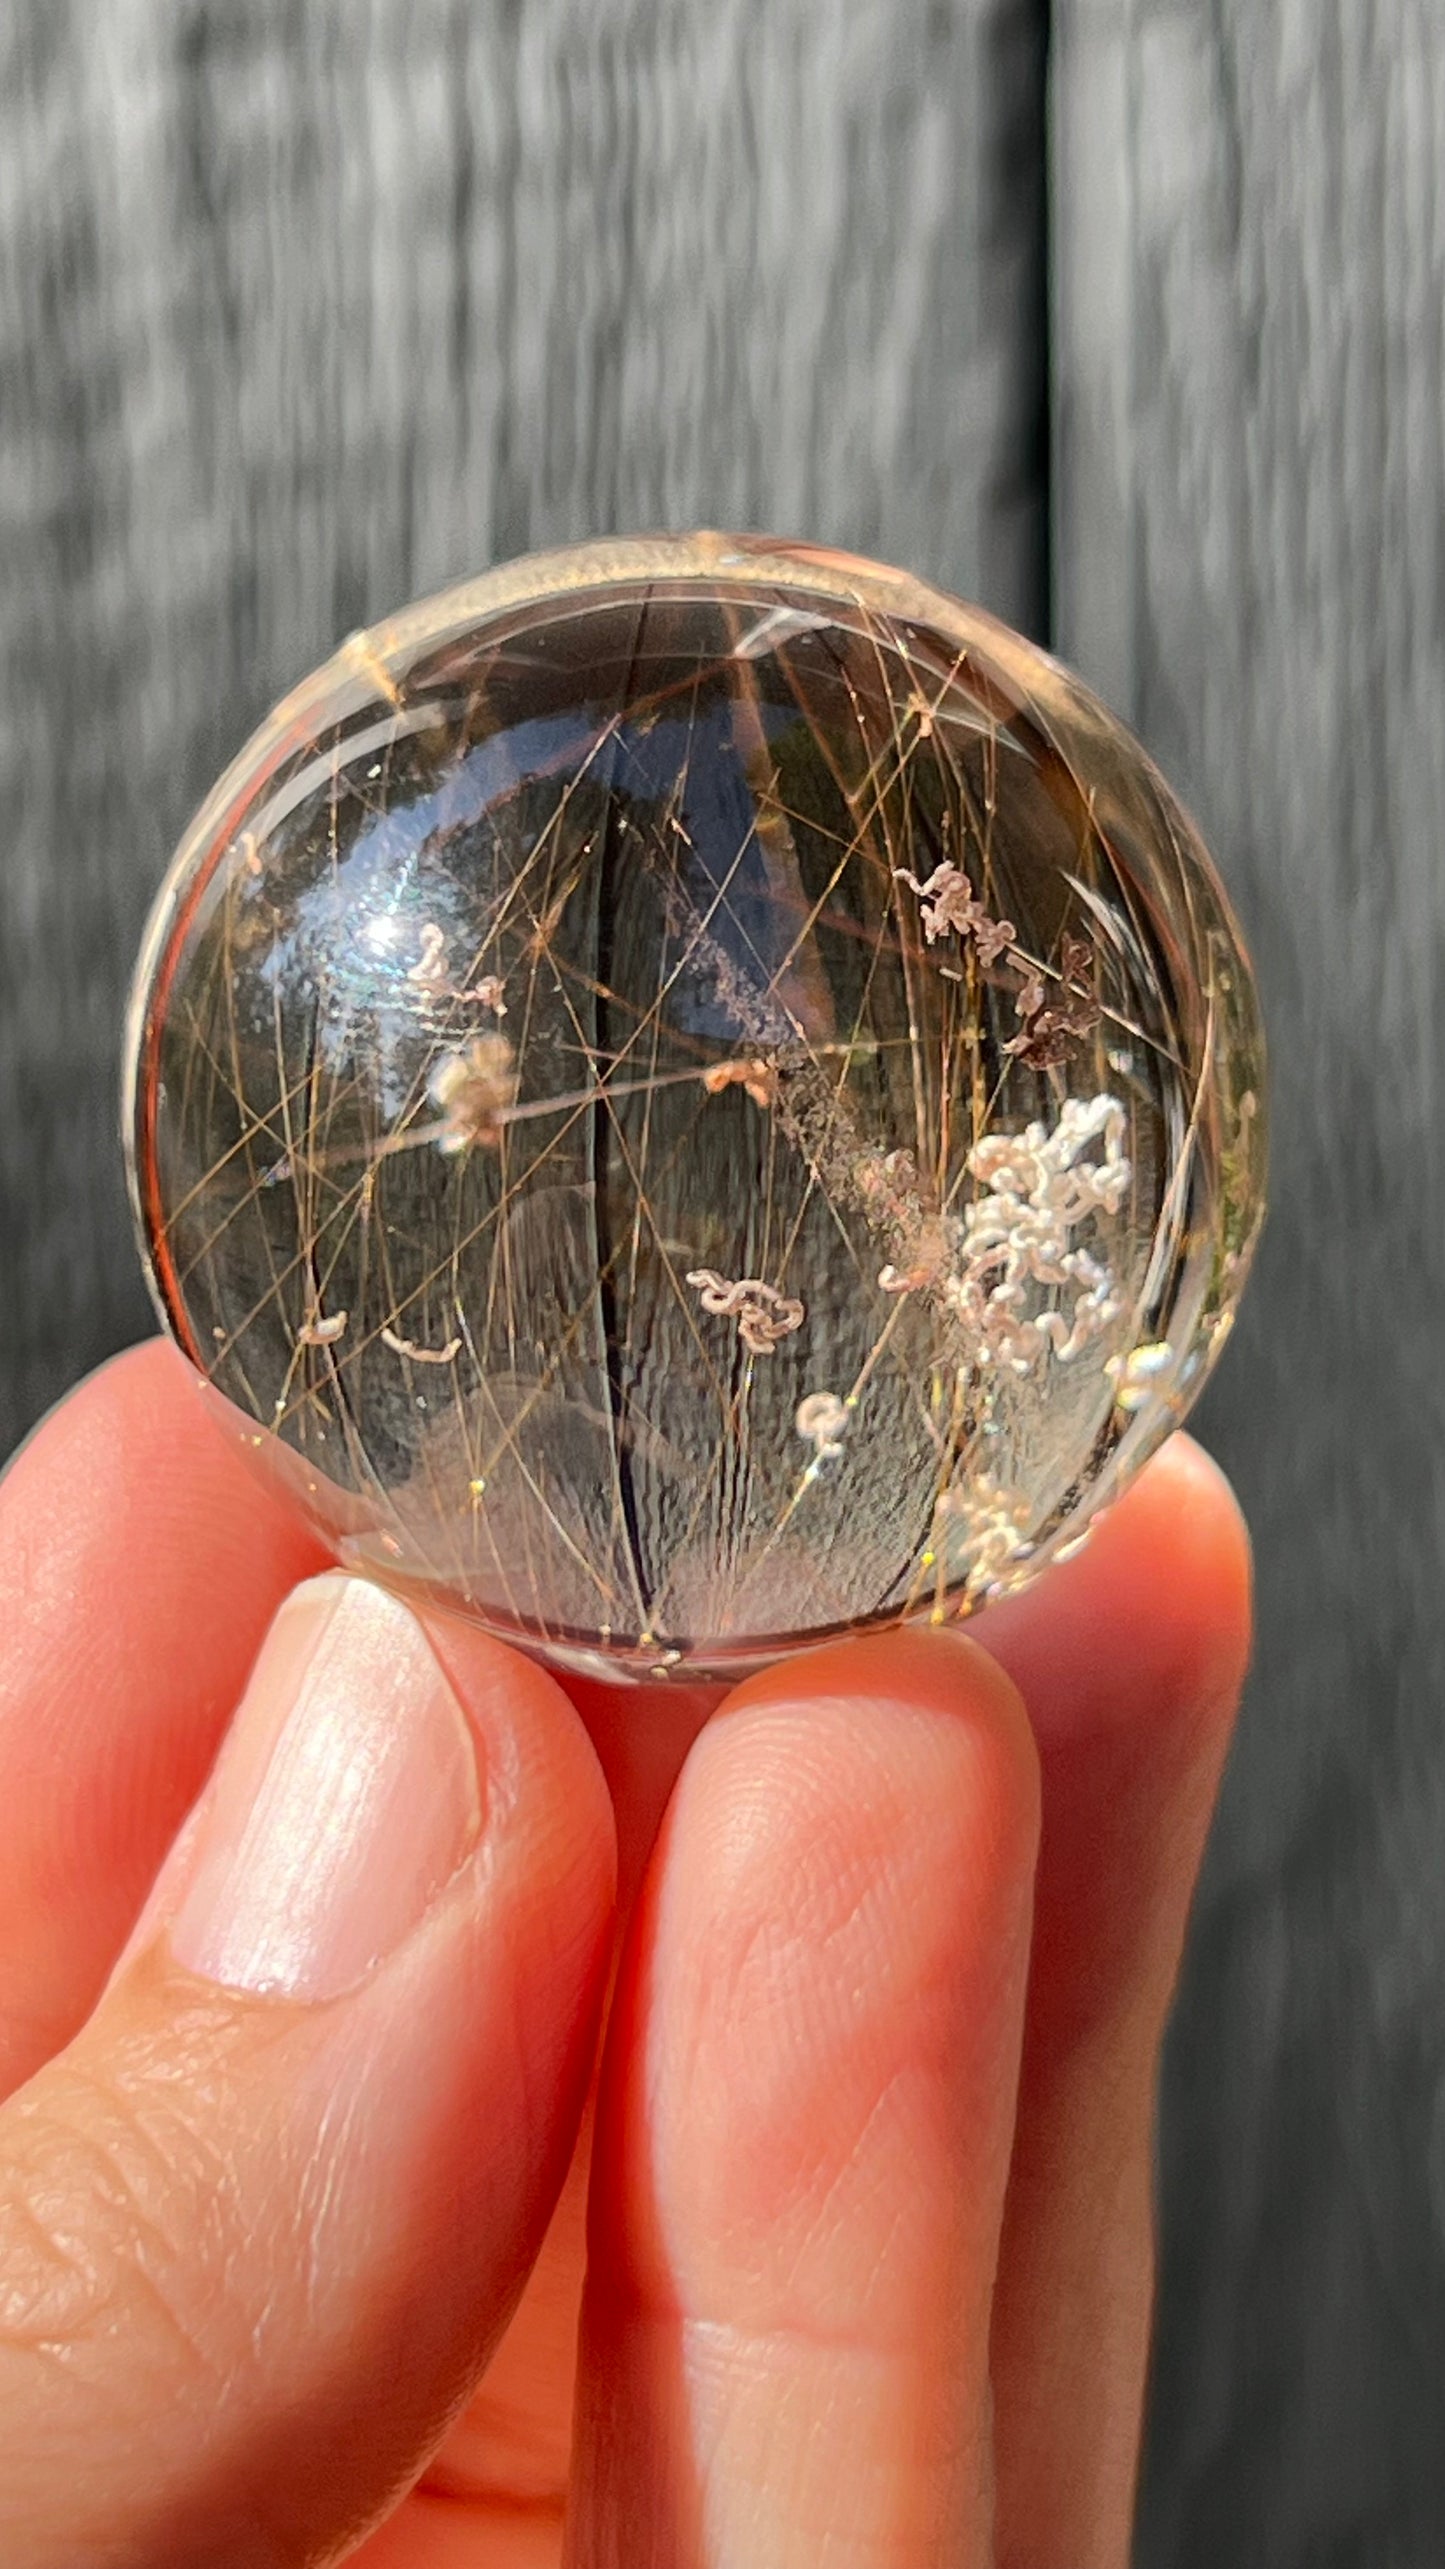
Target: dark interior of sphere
667,830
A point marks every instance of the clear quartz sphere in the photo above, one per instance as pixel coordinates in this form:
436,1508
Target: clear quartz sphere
694,1093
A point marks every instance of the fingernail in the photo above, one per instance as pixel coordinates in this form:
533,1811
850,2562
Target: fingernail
345,1797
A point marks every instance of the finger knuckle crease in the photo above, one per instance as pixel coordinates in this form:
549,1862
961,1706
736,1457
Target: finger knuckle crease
98,2206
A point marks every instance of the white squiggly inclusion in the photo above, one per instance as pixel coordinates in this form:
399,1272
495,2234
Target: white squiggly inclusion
1037,1188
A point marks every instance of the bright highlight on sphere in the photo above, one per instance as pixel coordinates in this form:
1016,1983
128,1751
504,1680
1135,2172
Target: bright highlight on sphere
695,1093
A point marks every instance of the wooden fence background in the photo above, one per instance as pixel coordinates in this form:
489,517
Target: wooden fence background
304,311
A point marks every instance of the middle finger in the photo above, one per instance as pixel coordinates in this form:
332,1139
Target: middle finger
804,2128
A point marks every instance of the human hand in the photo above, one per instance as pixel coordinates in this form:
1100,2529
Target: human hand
870,2247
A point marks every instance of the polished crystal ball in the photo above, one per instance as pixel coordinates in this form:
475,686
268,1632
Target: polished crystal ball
693,1094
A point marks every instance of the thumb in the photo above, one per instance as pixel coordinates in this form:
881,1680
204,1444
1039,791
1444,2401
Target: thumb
263,2221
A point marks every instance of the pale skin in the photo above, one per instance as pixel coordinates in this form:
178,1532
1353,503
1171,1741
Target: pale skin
876,1953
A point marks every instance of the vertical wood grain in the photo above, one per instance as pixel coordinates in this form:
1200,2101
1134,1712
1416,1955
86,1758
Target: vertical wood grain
1250,548
304,311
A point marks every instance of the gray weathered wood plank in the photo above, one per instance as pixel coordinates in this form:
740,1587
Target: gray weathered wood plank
303,313
1250,546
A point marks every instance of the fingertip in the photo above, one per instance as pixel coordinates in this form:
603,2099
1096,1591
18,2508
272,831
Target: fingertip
1185,1491
960,1708
1152,1619
1191,1502
938,1666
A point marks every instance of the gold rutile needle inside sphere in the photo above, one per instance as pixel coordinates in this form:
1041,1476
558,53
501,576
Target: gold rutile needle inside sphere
693,1093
